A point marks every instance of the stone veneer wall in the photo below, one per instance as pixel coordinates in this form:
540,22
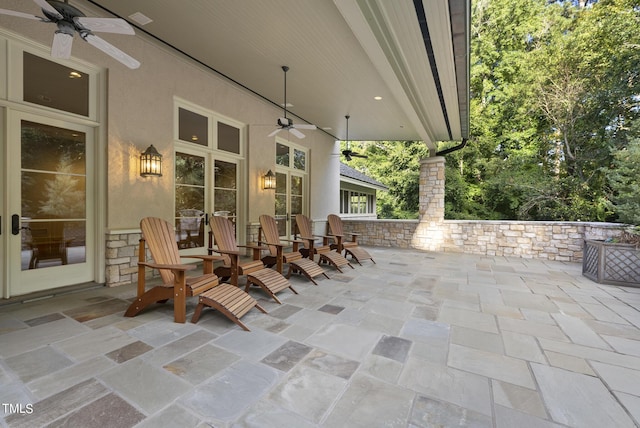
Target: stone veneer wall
122,259
562,241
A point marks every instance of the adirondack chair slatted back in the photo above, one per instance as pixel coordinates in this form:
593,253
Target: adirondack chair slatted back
304,227
335,224
225,235
160,237
270,230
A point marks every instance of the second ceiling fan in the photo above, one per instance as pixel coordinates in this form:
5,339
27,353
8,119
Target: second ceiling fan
348,153
285,123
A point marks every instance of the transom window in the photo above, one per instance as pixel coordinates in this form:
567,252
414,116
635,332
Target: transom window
291,157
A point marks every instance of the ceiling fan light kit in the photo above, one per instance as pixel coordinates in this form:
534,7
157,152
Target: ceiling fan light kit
285,123
70,20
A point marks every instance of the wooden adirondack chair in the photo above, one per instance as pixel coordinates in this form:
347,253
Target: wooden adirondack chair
269,236
269,280
160,236
323,250
336,231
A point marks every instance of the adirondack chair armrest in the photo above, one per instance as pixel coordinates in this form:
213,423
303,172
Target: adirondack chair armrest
205,257
354,236
180,267
255,247
207,261
229,252
275,244
295,241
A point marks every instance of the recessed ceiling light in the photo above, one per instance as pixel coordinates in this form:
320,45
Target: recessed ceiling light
378,98
140,18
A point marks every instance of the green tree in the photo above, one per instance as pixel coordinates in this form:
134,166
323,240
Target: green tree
624,179
553,90
396,164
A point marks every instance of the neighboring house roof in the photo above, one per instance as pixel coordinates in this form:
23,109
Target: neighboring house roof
356,176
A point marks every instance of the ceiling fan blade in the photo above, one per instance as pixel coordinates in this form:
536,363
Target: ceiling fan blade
274,132
297,133
105,25
46,6
21,15
61,47
304,126
111,50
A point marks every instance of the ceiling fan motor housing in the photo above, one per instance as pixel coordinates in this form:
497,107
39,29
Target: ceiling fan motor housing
67,11
285,122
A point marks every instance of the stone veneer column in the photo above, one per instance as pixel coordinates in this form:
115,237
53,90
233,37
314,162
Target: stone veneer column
429,234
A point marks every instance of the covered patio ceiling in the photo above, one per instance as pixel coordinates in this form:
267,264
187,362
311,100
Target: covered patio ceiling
414,54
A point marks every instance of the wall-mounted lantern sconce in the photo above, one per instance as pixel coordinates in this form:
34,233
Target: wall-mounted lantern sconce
269,180
150,163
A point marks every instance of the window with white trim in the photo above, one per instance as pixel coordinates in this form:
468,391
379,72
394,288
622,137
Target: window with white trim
208,164
354,202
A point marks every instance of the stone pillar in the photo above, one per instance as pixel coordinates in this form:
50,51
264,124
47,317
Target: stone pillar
429,234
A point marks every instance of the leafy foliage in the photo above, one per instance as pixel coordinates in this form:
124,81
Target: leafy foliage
625,184
554,118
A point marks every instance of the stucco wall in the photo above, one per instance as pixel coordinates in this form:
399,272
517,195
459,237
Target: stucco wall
137,109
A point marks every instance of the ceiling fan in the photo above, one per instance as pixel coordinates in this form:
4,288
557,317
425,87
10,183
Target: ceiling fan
285,122
69,20
348,153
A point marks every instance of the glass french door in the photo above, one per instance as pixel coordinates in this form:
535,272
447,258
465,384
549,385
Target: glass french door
289,201
204,186
50,224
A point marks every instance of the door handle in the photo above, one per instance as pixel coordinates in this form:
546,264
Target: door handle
15,225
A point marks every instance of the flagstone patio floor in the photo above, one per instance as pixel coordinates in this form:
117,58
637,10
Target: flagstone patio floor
419,339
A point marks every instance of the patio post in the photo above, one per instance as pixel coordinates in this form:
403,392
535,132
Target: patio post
429,234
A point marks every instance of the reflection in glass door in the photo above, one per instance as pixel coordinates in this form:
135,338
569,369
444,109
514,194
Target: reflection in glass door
49,210
226,189
282,215
194,194
54,198
289,201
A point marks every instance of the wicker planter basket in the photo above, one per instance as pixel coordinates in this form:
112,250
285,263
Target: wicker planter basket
611,263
